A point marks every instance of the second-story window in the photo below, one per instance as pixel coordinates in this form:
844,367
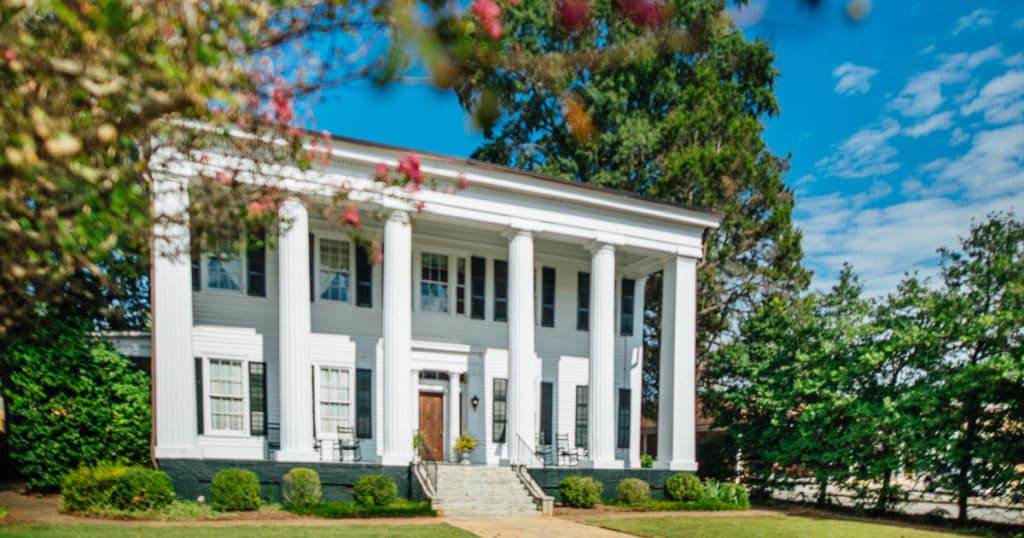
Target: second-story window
434,283
334,269
224,267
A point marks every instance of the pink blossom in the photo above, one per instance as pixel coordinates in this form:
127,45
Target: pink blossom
255,207
382,173
10,55
644,13
573,15
489,14
204,158
515,3
409,166
352,215
463,182
378,252
281,103
224,178
420,205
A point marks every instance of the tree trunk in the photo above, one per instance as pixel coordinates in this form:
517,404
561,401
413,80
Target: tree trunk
963,480
883,496
822,492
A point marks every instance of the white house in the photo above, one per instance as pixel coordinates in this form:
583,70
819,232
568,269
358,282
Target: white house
511,310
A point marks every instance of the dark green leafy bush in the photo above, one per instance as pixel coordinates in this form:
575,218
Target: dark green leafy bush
683,487
72,401
302,487
646,461
375,490
90,487
235,490
580,491
142,489
633,491
343,509
734,494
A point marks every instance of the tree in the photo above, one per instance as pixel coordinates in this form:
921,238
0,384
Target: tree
681,124
974,413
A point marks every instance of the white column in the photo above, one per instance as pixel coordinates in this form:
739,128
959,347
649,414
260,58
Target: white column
522,393
454,422
295,371
602,415
636,373
173,366
399,402
677,414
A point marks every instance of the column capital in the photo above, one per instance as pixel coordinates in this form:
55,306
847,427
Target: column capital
399,216
513,232
596,246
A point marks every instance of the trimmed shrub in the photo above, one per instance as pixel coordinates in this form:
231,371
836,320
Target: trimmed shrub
375,490
580,491
633,491
683,487
646,461
90,487
348,509
735,494
235,490
302,487
142,489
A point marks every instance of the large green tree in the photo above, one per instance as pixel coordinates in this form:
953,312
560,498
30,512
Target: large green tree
681,124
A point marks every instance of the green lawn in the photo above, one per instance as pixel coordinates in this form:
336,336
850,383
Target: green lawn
119,531
759,526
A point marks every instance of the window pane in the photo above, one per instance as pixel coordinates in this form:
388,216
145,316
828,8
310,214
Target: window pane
334,399
334,273
226,413
434,283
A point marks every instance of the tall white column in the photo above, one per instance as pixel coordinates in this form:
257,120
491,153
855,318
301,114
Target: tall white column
677,414
636,373
294,368
602,416
399,403
173,366
522,393
454,414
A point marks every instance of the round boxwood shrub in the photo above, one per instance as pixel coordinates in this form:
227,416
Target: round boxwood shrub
88,487
580,491
683,487
302,487
375,490
633,491
736,494
142,489
235,490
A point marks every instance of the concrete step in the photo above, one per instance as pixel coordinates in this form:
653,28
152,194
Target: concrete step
471,491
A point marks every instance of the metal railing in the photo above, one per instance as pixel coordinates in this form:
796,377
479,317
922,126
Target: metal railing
525,455
425,470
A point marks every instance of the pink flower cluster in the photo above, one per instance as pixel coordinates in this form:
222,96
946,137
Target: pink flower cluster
281,103
644,13
489,14
261,205
351,215
409,166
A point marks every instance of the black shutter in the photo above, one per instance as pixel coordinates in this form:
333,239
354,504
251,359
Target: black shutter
500,290
196,282
312,268
364,278
364,403
583,302
477,285
199,395
582,418
547,297
499,410
547,400
256,265
312,380
623,437
257,398
626,306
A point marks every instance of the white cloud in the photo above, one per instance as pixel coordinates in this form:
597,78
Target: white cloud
940,121
1001,100
853,79
1014,61
866,153
976,19
1019,24
993,166
922,94
958,137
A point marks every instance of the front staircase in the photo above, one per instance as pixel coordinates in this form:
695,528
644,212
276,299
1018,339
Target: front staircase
479,490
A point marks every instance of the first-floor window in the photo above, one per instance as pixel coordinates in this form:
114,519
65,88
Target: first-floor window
224,267
499,413
334,399
226,396
582,420
623,433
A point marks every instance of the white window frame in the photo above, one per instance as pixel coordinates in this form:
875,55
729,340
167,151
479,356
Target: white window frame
318,236
453,256
204,271
317,410
208,428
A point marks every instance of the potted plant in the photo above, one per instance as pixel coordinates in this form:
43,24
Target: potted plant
465,445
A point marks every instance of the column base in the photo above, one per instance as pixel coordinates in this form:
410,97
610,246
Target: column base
676,465
602,464
297,456
394,460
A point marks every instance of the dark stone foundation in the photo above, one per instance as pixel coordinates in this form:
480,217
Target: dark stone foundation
549,479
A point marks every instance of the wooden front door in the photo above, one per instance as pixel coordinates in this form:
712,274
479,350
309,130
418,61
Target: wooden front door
432,425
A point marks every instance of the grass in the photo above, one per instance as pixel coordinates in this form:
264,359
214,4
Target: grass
759,526
123,531
3,513
348,509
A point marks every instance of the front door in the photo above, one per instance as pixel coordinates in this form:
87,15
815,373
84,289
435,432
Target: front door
432,425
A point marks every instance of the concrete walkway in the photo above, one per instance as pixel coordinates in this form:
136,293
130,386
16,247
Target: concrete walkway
529,527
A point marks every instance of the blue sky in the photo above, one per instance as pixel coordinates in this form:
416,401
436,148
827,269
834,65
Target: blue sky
902,127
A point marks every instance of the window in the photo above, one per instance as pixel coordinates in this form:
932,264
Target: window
499,413
334,269
333,395
582,420
224,267
364,403
478,281
226,396
583,301
547,297
623,436
460,286
256,265
364,278
257,398
626,305
434,282
547,402
500,290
